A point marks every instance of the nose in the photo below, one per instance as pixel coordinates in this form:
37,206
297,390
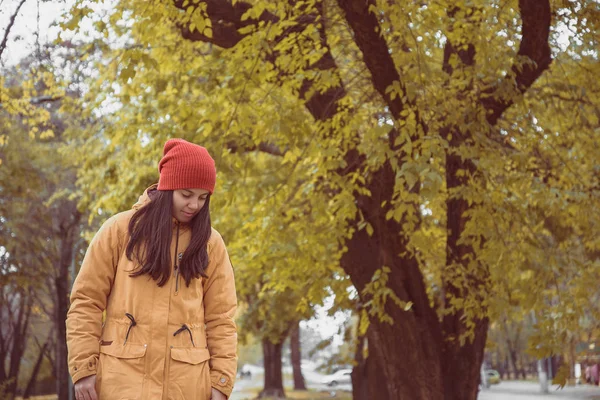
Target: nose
193,205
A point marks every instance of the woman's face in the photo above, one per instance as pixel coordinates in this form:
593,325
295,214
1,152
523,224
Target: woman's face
187,203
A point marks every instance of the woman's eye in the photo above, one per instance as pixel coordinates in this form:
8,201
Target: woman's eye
187,196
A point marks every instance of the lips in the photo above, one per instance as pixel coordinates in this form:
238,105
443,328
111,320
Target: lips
189,215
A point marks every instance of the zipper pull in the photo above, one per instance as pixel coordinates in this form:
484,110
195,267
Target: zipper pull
179,257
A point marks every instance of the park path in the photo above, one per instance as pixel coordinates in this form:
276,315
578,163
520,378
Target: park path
531,391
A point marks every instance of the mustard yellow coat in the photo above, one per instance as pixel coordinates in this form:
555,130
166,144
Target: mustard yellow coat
143,350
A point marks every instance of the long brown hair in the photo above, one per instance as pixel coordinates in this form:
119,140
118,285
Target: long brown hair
151,233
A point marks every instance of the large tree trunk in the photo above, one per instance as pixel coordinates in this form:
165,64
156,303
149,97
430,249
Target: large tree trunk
296,357
367,380
273,385
360,388
378,387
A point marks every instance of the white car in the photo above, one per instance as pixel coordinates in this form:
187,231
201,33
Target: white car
343,376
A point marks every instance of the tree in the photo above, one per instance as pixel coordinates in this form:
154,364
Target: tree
25,98
410,130
34,222
296,357
39,206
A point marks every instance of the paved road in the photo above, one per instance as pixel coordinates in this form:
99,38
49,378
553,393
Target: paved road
503,391
244,388
531,391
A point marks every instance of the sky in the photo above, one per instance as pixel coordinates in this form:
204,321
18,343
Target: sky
22,37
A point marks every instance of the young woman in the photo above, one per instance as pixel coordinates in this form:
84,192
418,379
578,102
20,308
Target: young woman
164,278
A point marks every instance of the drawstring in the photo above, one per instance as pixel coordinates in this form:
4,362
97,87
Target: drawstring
131,325
184,327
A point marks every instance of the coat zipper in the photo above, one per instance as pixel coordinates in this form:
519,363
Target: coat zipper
176,262
179,257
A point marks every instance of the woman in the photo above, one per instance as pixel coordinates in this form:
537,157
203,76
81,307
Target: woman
166,282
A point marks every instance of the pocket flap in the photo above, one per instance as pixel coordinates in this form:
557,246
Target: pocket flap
190,355
127,351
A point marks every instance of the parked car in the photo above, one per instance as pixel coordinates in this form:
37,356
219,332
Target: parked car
493,377
343,376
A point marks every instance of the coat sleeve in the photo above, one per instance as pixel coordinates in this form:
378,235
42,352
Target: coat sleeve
88,300
220,303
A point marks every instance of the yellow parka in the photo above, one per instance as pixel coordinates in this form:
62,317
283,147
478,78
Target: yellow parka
171,342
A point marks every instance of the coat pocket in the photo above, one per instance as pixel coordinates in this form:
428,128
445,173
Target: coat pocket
121,374
189,374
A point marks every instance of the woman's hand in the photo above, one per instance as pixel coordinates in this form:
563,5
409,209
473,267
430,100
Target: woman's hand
216,395
85,388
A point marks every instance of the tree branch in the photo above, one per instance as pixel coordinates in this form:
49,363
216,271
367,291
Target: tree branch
321,105
377,57
264,147
533,57
375,50
9,27
226,20
41,100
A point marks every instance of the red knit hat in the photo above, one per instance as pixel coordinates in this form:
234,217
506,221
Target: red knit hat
186,166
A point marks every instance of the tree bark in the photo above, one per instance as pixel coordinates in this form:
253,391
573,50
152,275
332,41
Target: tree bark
367,380
378,387
273,385
296,357
360,387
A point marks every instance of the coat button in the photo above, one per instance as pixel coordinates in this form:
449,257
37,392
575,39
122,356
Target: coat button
90,364
223,380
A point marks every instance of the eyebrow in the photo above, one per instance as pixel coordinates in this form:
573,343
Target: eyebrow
190,192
